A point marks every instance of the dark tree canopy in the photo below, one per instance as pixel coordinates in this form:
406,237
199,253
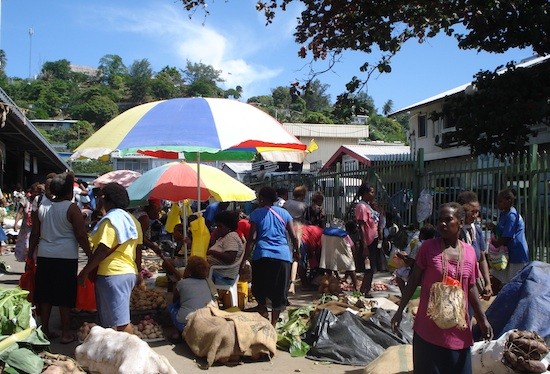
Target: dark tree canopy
327,28
503,111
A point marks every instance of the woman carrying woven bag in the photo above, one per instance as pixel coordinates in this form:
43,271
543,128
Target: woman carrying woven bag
447,269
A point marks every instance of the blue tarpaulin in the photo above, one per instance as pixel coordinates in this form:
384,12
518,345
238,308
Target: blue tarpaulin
523,303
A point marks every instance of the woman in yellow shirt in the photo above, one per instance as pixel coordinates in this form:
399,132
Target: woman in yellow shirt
115,239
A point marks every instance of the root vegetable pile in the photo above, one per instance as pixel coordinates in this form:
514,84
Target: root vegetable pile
329,285
379,287
524,350
152,265
148,328
84,330
143,298
60,364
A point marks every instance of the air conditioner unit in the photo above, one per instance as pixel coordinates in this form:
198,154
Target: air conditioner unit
438,140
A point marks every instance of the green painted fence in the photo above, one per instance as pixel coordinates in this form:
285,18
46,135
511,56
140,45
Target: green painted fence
400,181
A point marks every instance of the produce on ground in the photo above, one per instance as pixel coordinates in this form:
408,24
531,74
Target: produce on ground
289,331
110,351
152,265
15,310
60,364
84,330
379,287
524,351
148,328
143,298
329,284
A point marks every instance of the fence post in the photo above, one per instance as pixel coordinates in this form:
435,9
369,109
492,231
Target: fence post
418,183
337,210
533,200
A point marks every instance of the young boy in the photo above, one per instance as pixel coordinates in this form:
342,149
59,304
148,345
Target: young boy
408,255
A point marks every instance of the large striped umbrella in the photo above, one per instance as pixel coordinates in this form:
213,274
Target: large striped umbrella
215,129
177,181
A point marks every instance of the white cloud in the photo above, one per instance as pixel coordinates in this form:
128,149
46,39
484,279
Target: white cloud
170,31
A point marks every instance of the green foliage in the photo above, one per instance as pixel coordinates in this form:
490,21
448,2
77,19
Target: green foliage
317,117
98,110
202,72
348,105
139,80
91,167
315,96
15,310
386,129
281,97
289,331
52,70
498,116
111,69
203,88
262,100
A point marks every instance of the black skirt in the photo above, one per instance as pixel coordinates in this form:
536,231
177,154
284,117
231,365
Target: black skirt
55,281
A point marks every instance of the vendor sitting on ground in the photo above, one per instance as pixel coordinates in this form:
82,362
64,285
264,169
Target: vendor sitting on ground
192,291
227,249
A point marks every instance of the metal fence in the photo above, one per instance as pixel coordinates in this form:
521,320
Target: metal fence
400,181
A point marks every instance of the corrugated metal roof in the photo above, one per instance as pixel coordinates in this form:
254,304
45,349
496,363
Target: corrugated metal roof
528,63
239,167
320,130
379,151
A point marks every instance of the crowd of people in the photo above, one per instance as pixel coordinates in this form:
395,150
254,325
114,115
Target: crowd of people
280,238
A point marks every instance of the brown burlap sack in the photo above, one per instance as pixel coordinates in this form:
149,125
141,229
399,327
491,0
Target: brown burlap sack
395,360
223,336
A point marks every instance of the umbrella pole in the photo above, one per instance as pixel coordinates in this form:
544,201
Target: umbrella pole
184,219
198,181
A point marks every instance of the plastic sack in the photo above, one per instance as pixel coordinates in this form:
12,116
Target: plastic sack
201,237
487,356
350,340
497,257
85,296
26,282
424,205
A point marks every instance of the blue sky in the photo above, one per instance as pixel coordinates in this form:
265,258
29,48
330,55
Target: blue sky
233,38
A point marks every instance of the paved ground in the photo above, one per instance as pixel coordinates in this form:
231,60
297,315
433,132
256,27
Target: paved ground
184,361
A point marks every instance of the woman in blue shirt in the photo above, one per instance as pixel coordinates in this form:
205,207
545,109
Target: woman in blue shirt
272,257
511,233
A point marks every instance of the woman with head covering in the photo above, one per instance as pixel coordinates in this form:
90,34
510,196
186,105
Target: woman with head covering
272,257
115,239
55,238
447,269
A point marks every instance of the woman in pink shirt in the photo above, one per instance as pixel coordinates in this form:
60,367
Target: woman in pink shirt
437,350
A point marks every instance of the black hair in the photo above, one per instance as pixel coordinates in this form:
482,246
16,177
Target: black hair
229,219
459,209
116,195
364,188
467,197
281,191
268,194
508,194
62,184
427,231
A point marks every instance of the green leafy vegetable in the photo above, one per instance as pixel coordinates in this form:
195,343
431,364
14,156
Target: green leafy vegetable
15,310
23,359
289,331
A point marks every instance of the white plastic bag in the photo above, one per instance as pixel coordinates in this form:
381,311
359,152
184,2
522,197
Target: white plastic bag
424,205
487,356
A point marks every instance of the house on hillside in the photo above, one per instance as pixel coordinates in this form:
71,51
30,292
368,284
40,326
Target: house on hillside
437,137
353,157
25,156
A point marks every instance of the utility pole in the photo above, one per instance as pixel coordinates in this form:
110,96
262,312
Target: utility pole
31,33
